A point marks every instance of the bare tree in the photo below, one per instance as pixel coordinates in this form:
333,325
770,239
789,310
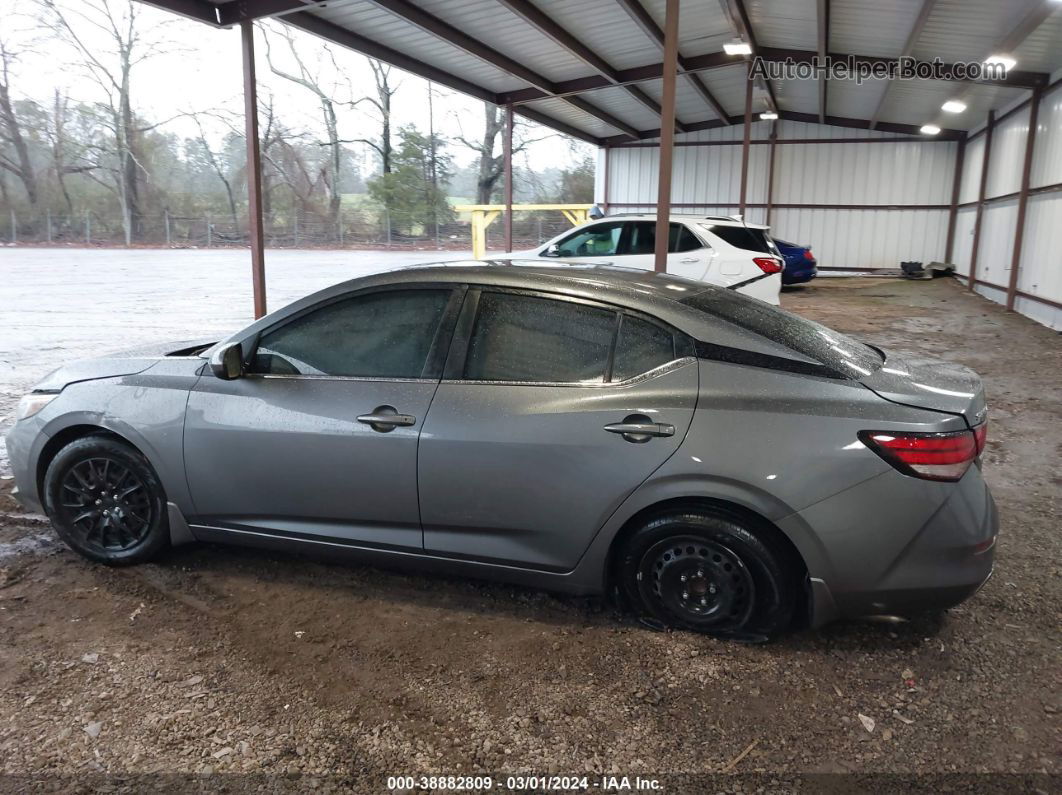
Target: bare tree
491,159
382,102
216,166
111,71
12,133
67,153
312,80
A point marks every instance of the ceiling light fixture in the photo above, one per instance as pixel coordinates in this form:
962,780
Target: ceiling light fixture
737,47
1005,61
953,106
768,115
929,129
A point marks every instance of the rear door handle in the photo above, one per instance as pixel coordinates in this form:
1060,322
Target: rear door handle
386,418
639,429
689,260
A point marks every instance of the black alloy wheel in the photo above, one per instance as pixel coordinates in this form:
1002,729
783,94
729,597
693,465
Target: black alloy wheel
106,502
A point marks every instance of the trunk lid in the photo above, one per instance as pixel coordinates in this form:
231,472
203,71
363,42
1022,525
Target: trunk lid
930,384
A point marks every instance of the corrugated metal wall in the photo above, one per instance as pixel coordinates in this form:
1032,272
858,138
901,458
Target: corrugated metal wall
1040,273
895,173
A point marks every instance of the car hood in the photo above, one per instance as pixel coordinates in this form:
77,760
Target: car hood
930,384
127,362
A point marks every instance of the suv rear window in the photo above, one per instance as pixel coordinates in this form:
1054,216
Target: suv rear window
741,237
819,343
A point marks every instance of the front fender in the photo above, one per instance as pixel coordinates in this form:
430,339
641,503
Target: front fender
146,409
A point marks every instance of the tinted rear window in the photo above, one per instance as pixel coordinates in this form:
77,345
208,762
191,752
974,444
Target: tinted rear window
741,237
819,343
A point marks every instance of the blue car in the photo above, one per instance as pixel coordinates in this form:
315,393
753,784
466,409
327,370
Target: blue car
800,264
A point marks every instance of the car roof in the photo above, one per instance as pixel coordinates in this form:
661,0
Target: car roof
715,220
556,273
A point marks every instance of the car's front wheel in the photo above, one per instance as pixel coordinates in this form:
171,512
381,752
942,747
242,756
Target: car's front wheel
709,573
106,502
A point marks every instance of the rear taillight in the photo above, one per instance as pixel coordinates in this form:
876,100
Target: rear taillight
808,254
933,456
981,436
768,265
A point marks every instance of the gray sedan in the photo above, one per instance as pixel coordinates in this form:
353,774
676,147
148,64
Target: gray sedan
720,464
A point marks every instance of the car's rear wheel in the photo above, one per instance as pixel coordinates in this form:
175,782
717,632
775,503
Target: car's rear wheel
709,573
106,502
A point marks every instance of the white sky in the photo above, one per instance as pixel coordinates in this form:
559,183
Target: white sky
200,70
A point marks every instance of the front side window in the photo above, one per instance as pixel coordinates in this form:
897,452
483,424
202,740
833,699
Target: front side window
641,347
597,240
377,335
530,339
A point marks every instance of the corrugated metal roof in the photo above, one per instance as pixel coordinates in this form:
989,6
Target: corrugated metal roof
784,23
954,31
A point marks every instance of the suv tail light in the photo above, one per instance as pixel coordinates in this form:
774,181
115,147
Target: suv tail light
932,456
808,254
768,264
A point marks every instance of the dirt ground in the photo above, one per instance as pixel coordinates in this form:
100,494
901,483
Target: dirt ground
220,661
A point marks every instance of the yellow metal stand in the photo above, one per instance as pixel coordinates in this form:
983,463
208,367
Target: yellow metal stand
483,215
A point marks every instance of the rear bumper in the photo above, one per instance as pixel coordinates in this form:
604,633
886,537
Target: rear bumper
799,276
944,563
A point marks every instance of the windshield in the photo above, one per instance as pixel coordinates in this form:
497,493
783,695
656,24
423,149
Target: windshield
824,345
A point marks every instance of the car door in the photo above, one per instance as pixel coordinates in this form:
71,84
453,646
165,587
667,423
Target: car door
688,256
552,410
319,439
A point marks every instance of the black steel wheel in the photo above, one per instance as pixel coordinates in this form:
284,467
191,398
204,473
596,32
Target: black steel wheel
106,502
710,574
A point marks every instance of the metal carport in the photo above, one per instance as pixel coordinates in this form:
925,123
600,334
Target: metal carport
618,72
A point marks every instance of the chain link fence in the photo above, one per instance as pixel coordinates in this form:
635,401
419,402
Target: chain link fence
352,228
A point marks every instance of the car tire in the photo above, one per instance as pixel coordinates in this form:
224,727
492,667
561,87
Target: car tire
709,573
106,502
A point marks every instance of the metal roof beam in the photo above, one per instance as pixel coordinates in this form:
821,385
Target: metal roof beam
739,21
823,17
314,24
247,10
648,25
458,38
908,48
562,38
196,10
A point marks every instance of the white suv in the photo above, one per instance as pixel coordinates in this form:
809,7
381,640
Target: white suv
715,249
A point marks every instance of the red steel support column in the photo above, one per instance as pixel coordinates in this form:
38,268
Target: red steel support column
1023,198
981,199
745,141
254,169
953,214
667,134
608,166
770,171
507,157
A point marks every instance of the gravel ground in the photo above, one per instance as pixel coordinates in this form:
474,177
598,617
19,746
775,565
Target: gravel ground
298,673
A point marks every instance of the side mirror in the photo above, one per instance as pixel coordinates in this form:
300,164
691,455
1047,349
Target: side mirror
552,251
227,362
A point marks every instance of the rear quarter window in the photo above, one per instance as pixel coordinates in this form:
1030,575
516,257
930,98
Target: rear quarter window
742,237
837,351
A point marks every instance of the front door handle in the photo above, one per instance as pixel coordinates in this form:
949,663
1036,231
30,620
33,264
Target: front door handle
638,428
386,418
